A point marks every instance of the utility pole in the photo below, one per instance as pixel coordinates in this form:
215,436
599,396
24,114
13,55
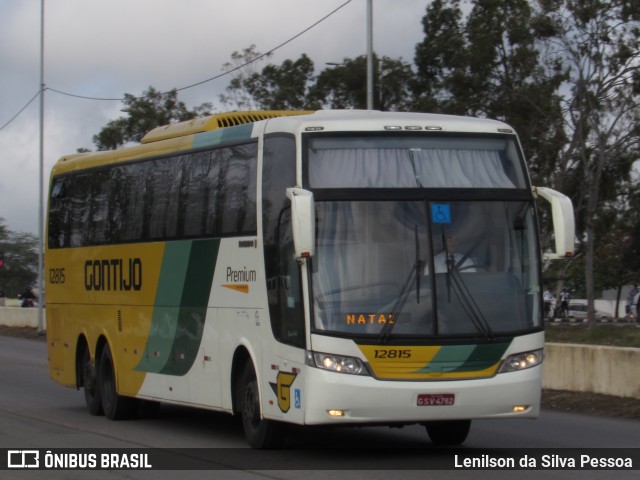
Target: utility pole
41,182
369,54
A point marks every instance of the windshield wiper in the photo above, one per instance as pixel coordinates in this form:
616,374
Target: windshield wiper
449,263
469,304
416,271
462,292
418,266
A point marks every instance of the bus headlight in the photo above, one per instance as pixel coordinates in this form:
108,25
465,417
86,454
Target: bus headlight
336,363
521,361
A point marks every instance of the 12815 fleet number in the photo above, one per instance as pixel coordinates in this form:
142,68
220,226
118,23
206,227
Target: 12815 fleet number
392,354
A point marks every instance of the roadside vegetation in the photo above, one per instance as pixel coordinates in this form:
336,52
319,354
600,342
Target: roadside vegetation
610,335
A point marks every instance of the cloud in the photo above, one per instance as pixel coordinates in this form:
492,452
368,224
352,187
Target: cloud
105,49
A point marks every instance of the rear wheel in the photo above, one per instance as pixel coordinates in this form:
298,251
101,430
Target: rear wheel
90,384
260,433
116,407
448,432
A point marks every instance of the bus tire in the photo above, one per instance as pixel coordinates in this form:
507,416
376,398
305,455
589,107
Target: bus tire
115,406
90,384
260,433
448,432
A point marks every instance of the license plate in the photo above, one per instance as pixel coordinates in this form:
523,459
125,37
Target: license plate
436,399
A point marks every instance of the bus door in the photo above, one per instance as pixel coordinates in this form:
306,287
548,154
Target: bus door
285,358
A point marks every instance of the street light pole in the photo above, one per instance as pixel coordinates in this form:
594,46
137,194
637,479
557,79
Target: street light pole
369,54
41,182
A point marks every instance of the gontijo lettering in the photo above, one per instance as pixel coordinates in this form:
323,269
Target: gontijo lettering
113,274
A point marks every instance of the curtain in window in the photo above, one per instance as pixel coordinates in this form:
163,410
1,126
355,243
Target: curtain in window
402,168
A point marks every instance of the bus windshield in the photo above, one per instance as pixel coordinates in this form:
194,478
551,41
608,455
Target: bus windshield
460,268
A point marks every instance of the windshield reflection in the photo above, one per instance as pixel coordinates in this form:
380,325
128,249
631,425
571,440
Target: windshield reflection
425,269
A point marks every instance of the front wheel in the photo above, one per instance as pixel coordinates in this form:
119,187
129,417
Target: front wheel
260,433
448,432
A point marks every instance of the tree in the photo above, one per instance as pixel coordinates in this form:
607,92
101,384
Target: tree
487,63
20,254
599,45
284,87
393,85
344,85
152,109
618,257
245,64
293,85
565,74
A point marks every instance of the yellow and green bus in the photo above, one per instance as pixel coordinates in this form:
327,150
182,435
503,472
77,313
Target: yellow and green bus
311,268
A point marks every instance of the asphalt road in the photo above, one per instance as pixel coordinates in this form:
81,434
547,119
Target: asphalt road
36,412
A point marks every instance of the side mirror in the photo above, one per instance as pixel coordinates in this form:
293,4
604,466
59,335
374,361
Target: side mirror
303,222
563,222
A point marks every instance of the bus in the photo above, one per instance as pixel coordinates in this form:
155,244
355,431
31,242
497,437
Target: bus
315,268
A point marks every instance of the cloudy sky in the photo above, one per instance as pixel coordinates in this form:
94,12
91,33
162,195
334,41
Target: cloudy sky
99,48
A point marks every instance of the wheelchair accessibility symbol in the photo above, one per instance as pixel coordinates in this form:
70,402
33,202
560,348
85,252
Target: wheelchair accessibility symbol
440,213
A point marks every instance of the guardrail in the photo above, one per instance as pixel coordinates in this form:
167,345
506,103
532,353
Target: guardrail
579,368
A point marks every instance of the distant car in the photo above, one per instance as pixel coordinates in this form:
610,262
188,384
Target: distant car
578,312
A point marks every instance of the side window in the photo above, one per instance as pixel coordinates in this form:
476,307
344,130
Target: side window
278,173
133,184
59,213
210,193
236,193
80,210
217,192
98,208
288,325
282,271
198,172
161,199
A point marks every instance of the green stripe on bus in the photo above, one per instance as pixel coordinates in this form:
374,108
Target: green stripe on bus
483,357
173,273
465,358
193,307
180,307
166,307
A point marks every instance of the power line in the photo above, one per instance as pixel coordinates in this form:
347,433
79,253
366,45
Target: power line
270,51
85,97
259,57
20,111
67,94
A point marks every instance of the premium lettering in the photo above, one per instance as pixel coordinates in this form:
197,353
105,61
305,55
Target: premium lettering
242,275
114,274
